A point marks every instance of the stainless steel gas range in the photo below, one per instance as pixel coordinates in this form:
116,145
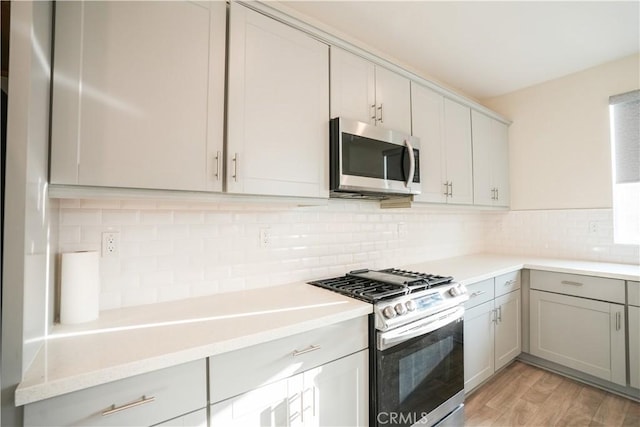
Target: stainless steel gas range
416,370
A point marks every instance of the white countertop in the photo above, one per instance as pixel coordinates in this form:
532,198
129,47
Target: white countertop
474,268
136,340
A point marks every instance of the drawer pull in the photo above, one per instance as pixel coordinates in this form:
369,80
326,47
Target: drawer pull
114,409
568,282
510,282
306,350
477,293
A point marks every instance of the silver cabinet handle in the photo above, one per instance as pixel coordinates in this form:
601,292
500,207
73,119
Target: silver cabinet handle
218,157
510,282
618,320
446,188
493,194
500,314
497,194
412,163
380,109
373,112
495,315
568,282
451,189
235,167
306,350
477,293
114,409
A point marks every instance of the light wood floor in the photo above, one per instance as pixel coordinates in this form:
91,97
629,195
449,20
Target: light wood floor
523,395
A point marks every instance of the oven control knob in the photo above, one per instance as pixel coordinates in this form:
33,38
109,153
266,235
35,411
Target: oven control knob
388,312
411,305
400,309
454,292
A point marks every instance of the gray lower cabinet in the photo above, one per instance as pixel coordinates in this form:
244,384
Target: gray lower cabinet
171,396
492,327
316,378
579,322
633,295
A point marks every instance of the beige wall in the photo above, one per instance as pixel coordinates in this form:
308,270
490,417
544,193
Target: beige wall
559,141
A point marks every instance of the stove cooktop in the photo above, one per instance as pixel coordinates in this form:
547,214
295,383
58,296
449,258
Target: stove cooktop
381,285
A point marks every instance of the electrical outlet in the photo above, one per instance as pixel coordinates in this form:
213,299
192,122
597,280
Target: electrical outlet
593,227
110,244
265,237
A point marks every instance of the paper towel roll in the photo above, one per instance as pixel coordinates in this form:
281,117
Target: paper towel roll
79,287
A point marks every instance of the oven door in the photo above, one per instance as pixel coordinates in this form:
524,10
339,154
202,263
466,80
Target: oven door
419,371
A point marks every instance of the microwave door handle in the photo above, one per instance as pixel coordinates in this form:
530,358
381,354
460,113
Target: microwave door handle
412,163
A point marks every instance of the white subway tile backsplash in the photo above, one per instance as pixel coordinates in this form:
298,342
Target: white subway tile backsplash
561,234
175,250
76,216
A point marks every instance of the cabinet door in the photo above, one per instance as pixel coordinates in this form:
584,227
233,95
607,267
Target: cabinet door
268,405
352,87
483,161
478,345
490,161
138,94
579,333
634,346
500,170
508,342
334,394
393,99
278,108
427,108
337,393
457,136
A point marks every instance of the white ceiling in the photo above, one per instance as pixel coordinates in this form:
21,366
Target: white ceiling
486,48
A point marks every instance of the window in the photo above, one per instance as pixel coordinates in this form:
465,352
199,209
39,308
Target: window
624,112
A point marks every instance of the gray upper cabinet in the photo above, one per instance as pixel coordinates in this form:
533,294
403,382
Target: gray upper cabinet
278,108
490,161
138,94
444,129
369,93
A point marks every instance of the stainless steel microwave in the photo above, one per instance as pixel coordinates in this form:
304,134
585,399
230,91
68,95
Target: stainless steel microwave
371,161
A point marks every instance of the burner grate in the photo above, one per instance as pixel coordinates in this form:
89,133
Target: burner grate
364,289
370,290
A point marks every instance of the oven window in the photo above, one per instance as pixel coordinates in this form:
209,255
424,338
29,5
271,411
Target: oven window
415,377
373,159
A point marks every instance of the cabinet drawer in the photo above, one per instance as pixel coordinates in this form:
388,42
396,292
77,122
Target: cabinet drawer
169,393
238,371
633,293
479,293
507,282
598,288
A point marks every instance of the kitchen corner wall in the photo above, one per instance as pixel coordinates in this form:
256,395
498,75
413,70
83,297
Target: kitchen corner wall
584,234
559,144
175,250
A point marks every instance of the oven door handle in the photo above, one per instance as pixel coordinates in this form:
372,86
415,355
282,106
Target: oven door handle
390,338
